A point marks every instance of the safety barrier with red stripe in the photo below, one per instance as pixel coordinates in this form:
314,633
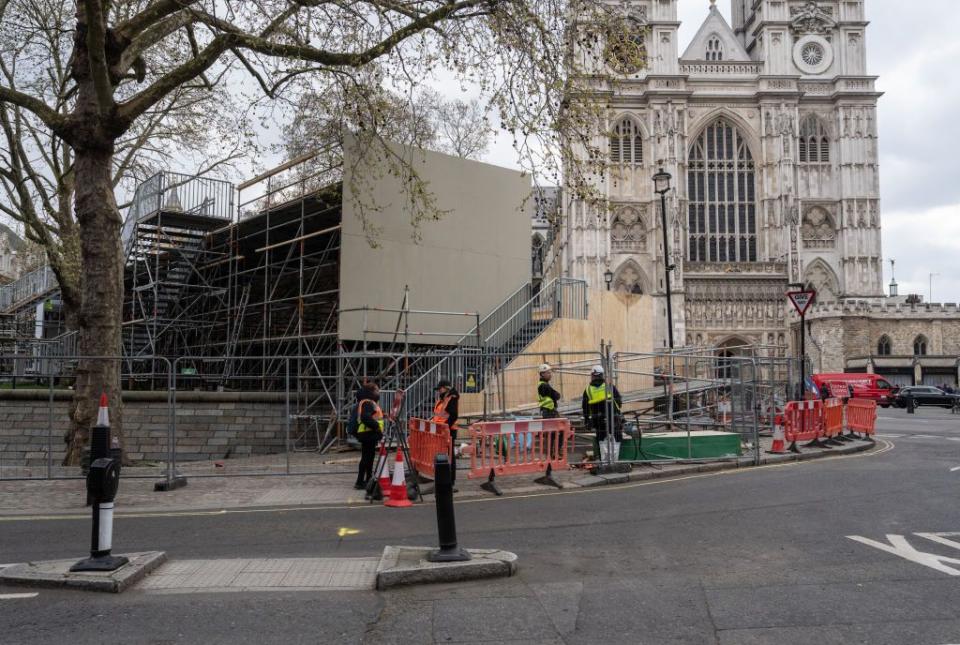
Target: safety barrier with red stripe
832,418
803,420
862,416
426,440
517,447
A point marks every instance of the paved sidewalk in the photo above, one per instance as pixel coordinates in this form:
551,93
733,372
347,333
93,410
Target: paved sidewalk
334,488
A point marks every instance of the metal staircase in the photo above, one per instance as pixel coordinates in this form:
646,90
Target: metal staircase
505,333
163,235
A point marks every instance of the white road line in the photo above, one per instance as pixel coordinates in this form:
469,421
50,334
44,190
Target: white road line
924,436
15,596
892,436
955,469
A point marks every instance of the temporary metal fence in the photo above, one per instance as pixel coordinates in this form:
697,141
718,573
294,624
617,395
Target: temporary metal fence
34,418
193,426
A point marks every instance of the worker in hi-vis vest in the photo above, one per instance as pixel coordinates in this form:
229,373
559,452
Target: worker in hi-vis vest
369,430
447,410
547,397
594,403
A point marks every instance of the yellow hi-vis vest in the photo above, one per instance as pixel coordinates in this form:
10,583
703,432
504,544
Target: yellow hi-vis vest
599,394
377,414
546,402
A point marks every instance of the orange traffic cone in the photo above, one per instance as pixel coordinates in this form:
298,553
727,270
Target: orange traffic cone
384,467
103,414
398,490
779,445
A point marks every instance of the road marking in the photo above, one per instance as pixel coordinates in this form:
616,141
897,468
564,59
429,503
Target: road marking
16,596
887,447
955,469
343,530
892,436
899,546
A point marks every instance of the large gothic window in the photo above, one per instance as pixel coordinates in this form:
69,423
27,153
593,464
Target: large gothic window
722,215
814,143
626,142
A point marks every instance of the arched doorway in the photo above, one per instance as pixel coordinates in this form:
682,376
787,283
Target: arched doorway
726,353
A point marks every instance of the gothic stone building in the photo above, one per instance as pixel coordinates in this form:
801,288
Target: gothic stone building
768,127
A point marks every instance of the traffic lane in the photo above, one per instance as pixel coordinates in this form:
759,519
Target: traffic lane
212,618
744,512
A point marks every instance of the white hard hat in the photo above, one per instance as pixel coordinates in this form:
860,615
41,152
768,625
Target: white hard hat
544,368
597,369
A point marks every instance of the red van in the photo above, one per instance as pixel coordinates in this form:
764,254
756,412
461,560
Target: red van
865,386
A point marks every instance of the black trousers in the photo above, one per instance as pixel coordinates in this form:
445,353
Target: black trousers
599,425
549,414
368,452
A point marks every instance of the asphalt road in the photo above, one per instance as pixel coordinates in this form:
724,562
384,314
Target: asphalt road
743,557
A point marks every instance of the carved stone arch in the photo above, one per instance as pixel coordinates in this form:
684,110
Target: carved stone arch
714,47
748,132
819,229
628,228
823,279
630,278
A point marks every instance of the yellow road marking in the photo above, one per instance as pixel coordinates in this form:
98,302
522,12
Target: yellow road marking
888,446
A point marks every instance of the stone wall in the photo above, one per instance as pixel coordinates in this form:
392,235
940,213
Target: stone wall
209,425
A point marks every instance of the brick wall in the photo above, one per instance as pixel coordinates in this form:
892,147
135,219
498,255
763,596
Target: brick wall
209,425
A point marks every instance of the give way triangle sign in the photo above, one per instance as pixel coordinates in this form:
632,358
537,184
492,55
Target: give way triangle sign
801,300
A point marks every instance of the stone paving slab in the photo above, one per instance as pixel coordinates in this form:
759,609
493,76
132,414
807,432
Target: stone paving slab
57,574
265,574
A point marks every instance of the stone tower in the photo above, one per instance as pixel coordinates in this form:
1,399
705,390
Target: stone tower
768,127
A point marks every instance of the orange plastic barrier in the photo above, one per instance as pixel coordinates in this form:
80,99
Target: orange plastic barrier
426,440
803,420
516,447
862,416
832,418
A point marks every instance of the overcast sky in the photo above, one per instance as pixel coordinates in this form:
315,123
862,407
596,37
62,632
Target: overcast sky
915,53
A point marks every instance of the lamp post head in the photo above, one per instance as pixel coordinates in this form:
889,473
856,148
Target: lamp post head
661,182
608,278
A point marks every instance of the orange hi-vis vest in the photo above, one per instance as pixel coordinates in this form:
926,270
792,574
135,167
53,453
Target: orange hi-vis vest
377,414
440,414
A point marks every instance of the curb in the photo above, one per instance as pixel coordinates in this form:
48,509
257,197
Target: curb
407,565
56,573
623,478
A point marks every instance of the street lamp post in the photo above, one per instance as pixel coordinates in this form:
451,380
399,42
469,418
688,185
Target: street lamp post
608,277
661,183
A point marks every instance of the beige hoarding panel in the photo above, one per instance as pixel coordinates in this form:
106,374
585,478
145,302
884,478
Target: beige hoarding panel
469,260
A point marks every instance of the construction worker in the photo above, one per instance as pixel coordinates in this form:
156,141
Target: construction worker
546,395
447,410
594,405
369,430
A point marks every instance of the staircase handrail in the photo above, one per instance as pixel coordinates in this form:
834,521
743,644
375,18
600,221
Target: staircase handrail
28,286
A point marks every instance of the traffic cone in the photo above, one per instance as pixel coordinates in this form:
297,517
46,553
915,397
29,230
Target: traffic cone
384,468
398,490
779,446
103,414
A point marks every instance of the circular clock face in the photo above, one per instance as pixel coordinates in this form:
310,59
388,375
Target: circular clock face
813,54
626,51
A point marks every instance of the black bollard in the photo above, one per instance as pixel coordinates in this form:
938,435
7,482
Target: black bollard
446,524
103,479
911,405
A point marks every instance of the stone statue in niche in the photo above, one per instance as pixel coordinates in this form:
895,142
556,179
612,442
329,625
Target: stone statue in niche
874,215
768,124
861,215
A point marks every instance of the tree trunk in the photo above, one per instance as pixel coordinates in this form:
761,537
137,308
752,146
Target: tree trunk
101,305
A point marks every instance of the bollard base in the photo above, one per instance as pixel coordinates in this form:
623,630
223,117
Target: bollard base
455,554
100,563
409,565
163,486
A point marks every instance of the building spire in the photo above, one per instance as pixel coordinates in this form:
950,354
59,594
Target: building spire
713,5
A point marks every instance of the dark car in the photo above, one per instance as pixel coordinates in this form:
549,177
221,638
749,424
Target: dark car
926,395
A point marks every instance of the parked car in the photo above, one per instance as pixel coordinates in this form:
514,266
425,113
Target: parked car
926,395
865,386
